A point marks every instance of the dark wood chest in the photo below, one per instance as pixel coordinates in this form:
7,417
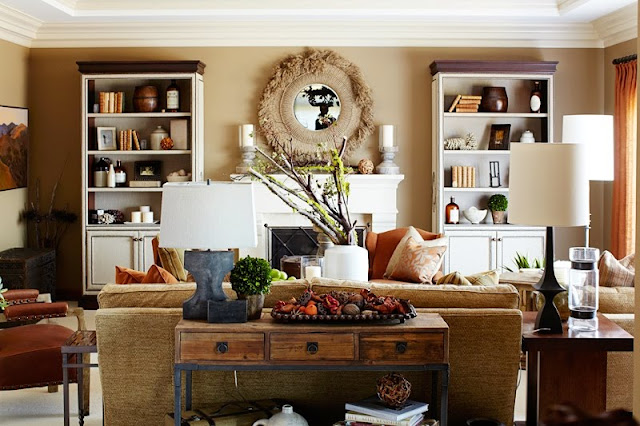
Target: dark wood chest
29,268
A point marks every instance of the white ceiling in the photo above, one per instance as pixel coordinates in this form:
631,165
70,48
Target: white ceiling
513,23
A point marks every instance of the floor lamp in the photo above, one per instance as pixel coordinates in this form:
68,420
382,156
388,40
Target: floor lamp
596,132
207,219
548,186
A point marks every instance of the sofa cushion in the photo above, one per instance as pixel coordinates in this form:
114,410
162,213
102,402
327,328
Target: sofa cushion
418,263
156,275
397,253
616,273
381,247
616,300
128,276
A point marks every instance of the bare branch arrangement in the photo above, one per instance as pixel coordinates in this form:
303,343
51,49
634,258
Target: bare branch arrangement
324,202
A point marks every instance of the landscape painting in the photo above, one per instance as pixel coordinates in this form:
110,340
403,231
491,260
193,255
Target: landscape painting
14,147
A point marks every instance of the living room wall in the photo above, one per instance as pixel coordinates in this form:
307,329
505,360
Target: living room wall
234,79
13,92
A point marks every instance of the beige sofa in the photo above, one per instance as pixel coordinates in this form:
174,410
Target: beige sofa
135,326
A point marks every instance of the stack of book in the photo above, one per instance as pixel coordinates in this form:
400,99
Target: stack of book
463,177
128,140
111,102
372,411
466,103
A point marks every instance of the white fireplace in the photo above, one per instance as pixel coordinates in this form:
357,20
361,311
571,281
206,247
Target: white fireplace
372,202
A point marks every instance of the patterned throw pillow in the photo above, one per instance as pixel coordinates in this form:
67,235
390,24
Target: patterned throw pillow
418,263
616,273
453,278
411,233
482,278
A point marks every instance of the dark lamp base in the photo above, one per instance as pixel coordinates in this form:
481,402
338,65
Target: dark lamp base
229,311
548,320
208,268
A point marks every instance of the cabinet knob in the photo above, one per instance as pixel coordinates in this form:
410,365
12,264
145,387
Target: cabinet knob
500,239
222,347
312,348
401,347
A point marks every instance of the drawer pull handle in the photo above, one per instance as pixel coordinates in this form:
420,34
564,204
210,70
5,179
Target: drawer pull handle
222,347
312,347
401,347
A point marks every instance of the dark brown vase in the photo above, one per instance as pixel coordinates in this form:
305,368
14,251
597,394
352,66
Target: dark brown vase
494,99
145,98
255,303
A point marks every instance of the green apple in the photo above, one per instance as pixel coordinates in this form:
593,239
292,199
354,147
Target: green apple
283,275
275,275
292,278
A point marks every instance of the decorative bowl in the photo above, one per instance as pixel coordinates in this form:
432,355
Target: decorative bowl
178,178
474,215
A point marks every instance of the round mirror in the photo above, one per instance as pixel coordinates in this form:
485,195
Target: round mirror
316,107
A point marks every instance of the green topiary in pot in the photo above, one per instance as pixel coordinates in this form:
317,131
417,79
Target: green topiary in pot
498,205
251,279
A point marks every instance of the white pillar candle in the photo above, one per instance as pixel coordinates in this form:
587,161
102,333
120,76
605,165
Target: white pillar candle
136,217
312,272
145,209
246,135
147,217
386,136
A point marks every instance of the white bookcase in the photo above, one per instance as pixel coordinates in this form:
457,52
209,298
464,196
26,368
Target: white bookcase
474,248
105,246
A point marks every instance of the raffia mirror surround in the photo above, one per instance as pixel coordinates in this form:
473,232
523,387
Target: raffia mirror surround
276,115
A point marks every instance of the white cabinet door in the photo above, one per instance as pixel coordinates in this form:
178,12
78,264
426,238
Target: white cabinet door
105,250
527,243
470,252
146,250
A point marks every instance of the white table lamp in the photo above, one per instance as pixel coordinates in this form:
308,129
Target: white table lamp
595,131
548,186
211,217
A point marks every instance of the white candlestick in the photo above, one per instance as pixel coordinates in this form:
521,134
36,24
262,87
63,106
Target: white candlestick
386,136
246,135
312,272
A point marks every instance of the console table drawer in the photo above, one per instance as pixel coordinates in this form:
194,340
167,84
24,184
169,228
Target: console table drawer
222,346
311,346
408,348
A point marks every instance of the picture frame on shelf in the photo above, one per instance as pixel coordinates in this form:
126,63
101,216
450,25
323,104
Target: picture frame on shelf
106,138
499,138
148,170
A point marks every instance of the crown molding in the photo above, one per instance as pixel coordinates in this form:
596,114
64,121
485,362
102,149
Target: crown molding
339,33
66,6
619,26
17,27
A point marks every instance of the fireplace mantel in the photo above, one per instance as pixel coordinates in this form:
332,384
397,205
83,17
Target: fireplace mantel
373,203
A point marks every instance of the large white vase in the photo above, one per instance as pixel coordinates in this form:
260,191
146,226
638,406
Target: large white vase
346,263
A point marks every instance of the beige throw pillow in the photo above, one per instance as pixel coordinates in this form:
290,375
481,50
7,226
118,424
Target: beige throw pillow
487,278
418,263
411,233
616,273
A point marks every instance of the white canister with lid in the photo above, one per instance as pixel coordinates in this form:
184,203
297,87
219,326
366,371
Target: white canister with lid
156,138
527,137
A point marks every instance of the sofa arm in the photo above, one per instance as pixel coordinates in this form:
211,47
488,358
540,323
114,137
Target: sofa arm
20,296
35,311
616,300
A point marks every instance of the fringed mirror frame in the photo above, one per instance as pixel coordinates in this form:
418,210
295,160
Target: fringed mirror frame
276,115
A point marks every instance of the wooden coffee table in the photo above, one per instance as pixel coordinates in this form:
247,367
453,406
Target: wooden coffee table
570,367
420,344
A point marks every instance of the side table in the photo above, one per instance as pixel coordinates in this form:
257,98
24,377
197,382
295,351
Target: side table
81,344
569,367
421,344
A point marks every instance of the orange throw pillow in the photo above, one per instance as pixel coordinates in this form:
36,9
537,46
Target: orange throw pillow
417,263
157,275
128,276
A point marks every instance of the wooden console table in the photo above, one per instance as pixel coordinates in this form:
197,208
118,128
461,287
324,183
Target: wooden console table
569,367
420,344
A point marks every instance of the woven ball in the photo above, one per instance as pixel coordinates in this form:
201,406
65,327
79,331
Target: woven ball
365,166
166,143
393,389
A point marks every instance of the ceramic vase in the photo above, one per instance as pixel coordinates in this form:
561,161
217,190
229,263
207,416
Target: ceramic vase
255,303
498,217
285,418
145,98
494,99
346,263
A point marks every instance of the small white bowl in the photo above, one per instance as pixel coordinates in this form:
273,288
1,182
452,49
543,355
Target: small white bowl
178,178
474,215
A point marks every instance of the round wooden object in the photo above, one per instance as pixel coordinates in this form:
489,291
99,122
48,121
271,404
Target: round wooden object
145,99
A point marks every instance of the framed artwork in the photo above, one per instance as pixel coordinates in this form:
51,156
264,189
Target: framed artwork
14,147
148,170
106,137
499,138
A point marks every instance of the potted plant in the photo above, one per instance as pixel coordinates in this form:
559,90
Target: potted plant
498,205
323,200
251,279
525,265
3,302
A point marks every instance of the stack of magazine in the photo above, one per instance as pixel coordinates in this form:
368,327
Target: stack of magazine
372,411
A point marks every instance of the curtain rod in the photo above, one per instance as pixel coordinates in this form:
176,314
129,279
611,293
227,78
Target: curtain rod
624,59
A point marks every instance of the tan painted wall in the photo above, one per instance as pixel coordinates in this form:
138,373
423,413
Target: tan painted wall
601,207
234,79
636,342
13,92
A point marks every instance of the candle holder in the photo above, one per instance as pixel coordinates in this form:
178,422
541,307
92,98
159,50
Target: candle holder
388,167
248,155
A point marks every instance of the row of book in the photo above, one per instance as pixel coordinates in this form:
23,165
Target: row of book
128,140
111,102
463,177
372,411
466,103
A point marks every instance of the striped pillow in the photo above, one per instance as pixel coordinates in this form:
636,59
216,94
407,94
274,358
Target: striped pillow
487,278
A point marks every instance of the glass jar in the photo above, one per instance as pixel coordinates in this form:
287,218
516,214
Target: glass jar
100,170
311,266
583,288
